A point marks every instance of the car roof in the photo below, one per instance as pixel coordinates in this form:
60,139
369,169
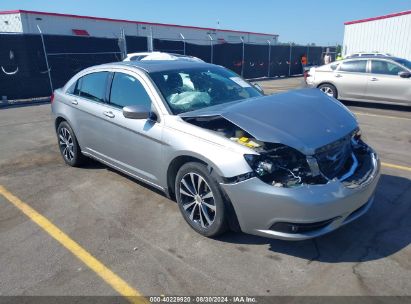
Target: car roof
374,57
141,53
152,66
370,53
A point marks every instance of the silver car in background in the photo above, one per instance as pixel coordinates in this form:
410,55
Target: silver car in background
290,166
373,78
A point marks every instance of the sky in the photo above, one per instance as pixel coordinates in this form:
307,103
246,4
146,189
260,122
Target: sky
316,21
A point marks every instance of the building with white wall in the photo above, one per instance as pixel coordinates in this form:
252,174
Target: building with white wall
26,22
386,34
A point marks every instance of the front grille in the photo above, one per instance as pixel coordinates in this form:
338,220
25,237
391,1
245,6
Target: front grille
335,159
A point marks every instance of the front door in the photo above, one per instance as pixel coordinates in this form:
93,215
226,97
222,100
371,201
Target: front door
384,83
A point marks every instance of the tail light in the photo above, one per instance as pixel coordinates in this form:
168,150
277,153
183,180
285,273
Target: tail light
52,98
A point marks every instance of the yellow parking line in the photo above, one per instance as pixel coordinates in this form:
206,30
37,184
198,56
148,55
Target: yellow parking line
392,166
378,115
99,268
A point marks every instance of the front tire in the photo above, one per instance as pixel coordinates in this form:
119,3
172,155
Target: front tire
329,90
69,147
200,200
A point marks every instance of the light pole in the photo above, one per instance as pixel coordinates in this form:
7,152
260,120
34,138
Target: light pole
184,42
289,65
269,57
45,57
123,43
242,62
212,48
151,41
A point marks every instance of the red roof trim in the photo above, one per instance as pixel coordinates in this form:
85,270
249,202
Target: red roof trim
78,32
378,18
128,21
9,12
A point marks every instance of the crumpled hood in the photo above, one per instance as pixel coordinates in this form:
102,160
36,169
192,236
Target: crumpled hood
304,119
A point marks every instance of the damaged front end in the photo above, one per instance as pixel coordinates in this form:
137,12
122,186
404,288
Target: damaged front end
348,160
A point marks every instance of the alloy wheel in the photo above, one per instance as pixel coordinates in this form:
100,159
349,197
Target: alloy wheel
197,200
327,90
66,144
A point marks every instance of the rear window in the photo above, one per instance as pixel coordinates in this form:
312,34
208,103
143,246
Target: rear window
355,66
74,89
93,86
334,66
127,91
138,58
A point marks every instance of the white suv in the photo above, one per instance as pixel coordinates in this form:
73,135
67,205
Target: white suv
159,56
367,54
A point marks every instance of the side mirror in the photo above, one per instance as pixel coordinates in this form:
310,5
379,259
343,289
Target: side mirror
404,74
258,87
138,112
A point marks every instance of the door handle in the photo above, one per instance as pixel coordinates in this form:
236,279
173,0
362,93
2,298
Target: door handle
109,114
74,102
374,79
338,75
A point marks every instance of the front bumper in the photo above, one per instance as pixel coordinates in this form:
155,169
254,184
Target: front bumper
259,206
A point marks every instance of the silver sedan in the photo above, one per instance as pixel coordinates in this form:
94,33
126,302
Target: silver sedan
374,79
290,166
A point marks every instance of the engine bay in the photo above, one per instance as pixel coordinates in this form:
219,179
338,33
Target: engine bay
282,166
276,164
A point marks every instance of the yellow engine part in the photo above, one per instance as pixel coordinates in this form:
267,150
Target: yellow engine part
245,141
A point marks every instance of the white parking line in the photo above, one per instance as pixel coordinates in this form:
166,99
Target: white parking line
379,115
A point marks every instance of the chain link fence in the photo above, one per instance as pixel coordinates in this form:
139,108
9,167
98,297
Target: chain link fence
31,66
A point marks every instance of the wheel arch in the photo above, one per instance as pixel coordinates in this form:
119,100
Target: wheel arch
330,83
180,161
173,168
58,121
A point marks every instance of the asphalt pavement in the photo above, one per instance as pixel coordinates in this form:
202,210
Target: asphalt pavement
141,241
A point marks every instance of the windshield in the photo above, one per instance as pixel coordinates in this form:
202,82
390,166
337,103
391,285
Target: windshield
192,89
404,62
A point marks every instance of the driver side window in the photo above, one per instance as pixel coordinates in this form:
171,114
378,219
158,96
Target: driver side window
385,67
128,91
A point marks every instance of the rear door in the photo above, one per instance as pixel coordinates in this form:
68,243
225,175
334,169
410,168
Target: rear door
384,83
89,99
351,78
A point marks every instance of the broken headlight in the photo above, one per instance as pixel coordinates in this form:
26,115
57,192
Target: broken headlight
261,166
280,166
357,135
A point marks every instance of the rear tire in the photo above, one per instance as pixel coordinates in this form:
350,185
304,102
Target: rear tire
329,90
200,200
69,147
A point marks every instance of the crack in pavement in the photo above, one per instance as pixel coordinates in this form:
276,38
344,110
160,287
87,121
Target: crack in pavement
374,243
317,249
